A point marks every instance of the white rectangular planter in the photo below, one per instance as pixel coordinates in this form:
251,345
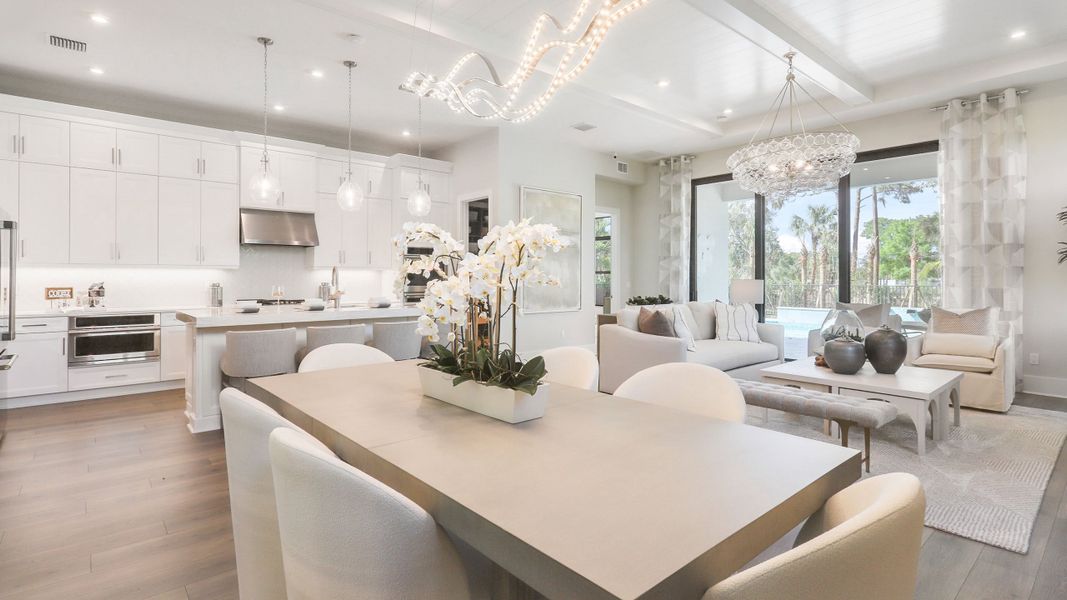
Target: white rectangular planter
511,406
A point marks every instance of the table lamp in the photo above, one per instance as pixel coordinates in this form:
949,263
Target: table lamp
748,291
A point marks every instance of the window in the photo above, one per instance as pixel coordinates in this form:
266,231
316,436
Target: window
602,250
724,238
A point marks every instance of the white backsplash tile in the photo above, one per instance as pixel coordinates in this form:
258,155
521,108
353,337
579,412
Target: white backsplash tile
261,268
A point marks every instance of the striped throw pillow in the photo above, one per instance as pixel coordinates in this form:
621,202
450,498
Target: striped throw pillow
736,322
982,321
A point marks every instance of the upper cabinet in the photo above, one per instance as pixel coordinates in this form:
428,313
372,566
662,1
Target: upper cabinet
193,159
297,175
9,136
44,214
110,149
44,140
137,152
377,182
198,223
436,183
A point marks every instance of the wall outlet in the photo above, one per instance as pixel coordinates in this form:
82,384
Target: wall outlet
1034,358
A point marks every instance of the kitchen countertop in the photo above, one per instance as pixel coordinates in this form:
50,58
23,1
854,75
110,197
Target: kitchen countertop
79,311
207,318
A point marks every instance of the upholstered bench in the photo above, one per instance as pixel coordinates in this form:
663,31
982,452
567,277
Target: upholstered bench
846,411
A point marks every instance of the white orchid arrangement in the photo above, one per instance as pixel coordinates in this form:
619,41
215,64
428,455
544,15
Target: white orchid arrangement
474,290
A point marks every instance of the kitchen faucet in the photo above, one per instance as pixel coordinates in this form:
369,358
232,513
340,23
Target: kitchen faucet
335,288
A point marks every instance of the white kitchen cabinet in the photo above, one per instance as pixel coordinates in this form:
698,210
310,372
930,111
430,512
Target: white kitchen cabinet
9,136
377,182
105,376
218,162
137,152
92,216
43,140
297,175
380,233
355,236
136,219
330,175
409,181
41,366
9,190
220,244
192,159
179,221
179,157
44,214
92,146
172,353
328,217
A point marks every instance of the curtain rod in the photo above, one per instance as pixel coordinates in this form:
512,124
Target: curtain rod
976,100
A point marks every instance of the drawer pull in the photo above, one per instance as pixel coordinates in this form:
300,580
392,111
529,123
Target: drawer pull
116,376
35,325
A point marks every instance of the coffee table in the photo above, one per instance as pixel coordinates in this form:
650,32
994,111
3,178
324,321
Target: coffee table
916,392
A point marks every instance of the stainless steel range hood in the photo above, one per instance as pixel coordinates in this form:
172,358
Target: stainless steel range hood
278,228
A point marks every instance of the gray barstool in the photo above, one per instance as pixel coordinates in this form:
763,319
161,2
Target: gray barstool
335,334
257,354
398,339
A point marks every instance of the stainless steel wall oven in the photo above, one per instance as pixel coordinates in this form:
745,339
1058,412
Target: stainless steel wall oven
110,339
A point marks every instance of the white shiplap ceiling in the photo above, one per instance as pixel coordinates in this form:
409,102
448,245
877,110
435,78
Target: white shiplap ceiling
197,60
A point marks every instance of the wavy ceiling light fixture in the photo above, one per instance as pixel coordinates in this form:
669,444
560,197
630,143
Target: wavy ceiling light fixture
486,96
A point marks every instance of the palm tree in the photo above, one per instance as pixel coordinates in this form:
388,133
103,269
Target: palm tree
924,233
902,192
821,222
800,228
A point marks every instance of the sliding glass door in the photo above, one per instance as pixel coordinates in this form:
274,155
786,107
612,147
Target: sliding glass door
872,239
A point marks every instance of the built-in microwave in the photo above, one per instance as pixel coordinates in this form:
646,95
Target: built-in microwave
109,339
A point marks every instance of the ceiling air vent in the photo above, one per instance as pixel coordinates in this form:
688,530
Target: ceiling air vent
583,127
67,43
622,168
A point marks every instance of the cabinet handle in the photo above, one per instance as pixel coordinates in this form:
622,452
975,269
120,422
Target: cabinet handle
370,186
116,376
64,345
112,156
203,166
118,253
22,145
120,157
22,248
36,325
14,144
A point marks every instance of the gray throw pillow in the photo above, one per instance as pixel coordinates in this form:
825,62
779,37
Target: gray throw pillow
655,322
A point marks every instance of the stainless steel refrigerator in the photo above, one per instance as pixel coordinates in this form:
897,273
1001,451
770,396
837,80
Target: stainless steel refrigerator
8,259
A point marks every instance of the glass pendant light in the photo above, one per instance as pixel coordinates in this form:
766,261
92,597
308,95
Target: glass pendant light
263,187
349,195
419,201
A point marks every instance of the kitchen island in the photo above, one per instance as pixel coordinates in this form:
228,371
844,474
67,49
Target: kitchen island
205,339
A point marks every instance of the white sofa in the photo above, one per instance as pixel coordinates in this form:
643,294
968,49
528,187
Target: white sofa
624,350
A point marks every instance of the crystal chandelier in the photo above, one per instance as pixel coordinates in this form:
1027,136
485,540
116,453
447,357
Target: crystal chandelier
794,163
349,194
484,95
263,186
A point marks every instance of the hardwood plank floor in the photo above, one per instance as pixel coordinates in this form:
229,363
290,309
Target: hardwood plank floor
115,499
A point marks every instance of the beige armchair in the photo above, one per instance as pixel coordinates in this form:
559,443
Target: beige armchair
988,383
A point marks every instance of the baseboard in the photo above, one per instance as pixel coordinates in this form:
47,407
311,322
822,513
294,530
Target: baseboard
94,394
202,424
1045,386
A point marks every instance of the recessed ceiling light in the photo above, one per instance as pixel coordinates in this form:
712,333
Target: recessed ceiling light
99,19
727,111
663,83
405,133
278,108
96,70
886,177
317,74
866,169
1018,35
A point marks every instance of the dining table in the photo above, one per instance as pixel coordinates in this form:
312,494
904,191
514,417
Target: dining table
601,498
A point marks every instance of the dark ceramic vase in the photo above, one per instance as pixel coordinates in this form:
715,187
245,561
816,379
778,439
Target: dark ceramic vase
844,356
886,349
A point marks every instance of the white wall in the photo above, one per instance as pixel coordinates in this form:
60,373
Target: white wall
146,287
1044,319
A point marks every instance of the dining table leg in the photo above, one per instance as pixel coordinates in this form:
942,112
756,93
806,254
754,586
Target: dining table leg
505,586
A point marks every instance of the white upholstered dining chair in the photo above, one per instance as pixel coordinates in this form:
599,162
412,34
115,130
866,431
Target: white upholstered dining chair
247,424
690,387
571,365
863,543
346,535
337,356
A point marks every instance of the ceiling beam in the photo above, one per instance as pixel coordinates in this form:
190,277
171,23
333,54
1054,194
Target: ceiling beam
766,31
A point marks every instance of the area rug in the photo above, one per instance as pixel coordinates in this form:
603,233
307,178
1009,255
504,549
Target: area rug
985,482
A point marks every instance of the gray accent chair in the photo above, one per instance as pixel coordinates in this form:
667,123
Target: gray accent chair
398,339
624,350
257,354
333,334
